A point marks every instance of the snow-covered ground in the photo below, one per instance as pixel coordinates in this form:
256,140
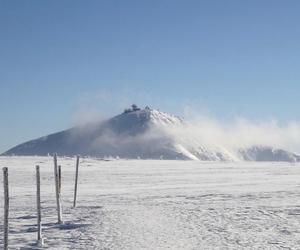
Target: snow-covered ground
156,205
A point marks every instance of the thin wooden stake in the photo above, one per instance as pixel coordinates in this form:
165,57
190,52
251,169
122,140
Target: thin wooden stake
6,207
59,179
38,205
58,199
76,181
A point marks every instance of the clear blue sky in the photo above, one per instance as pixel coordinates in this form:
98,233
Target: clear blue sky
62,57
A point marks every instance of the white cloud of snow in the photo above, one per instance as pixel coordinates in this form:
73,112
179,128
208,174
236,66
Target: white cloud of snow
238,133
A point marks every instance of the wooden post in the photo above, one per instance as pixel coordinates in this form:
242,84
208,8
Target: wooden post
76,181
38,205
58,201
59,179
6,208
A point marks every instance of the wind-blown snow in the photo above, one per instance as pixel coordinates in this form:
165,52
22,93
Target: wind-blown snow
157,205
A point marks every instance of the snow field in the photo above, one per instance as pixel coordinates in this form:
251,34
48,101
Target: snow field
156,205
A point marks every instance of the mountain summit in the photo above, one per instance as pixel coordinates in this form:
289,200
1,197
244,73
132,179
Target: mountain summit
132,134
146,134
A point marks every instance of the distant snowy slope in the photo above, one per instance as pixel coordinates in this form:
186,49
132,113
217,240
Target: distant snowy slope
266,153
147,134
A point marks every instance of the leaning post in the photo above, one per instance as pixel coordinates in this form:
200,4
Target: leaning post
76,181
58,201
6,208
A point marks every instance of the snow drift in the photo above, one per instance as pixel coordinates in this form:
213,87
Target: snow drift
149,134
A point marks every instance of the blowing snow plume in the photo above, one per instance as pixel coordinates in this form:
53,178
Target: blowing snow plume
150,134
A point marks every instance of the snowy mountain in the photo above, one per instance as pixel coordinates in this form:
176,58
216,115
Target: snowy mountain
132,134
143,133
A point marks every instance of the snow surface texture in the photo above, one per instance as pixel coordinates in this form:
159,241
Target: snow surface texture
149,134
156,205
